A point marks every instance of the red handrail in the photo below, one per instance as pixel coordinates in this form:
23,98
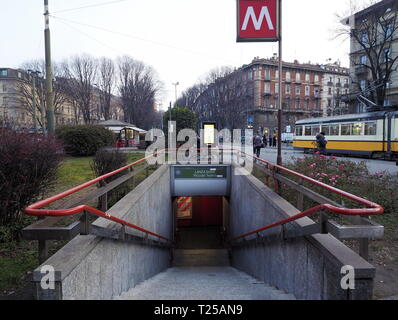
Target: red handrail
36,209
371,210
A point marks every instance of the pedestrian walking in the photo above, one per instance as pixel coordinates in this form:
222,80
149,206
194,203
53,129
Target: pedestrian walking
274,141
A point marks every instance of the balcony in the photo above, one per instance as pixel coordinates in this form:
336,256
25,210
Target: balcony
298,110
267,78
288,80
338,85
330,84
361,70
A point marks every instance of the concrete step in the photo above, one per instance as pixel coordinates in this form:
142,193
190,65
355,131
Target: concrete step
203,283
199,238
201,258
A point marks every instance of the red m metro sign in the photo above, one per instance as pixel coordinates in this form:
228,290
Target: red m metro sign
258,20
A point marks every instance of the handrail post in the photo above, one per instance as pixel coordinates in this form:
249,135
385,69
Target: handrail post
85,224
300,197
104,202
133,178
43,251
363,243
276,181
267,175
324,222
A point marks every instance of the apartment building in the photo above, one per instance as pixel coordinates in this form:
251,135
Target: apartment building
16,101
335,85
250,95
17,89
374,57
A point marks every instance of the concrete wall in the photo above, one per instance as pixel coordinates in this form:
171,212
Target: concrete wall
308,267
91,267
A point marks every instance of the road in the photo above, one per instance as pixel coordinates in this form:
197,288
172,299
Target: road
288,153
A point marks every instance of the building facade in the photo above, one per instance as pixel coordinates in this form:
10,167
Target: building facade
373,57
9,106
335,84
250,95
17,89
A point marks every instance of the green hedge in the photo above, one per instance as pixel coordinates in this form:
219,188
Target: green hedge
84,140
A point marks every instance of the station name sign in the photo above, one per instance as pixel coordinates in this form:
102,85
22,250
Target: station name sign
257,20
201,173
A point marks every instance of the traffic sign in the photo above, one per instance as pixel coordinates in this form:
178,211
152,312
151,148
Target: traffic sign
257,20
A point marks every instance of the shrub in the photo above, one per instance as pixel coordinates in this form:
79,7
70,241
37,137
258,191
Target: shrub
28,169
352,177
84,140
108,161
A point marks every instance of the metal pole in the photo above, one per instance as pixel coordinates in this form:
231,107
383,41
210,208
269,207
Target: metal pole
42,109
279,158
49,72
170,112
175,87
34,103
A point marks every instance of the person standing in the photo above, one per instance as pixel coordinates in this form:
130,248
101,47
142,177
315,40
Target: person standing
264,141
274,141
257,144
321,142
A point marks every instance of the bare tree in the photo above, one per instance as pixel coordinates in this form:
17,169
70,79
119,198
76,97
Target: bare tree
81,74
24,92
223,96
106,83
373,33
138,87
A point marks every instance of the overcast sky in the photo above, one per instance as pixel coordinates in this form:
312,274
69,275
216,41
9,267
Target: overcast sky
181,39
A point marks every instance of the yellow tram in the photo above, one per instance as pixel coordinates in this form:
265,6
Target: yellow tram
373,134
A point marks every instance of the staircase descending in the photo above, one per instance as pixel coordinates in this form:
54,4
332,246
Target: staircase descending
201,271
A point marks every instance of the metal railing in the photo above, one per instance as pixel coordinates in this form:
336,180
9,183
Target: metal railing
371,209
37,208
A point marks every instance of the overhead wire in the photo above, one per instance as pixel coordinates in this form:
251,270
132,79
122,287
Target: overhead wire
91,37
91,6
144,40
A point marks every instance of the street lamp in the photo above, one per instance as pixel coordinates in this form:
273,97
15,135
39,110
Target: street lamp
175,85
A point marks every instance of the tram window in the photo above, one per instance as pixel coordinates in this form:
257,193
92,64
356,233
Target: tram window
315,130
307,130
370,128
326,130
356,129
299,131
346,129
334,130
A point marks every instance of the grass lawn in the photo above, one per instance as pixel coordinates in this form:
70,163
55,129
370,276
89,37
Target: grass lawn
17,260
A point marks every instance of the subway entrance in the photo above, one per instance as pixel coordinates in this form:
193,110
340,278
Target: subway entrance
200,231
